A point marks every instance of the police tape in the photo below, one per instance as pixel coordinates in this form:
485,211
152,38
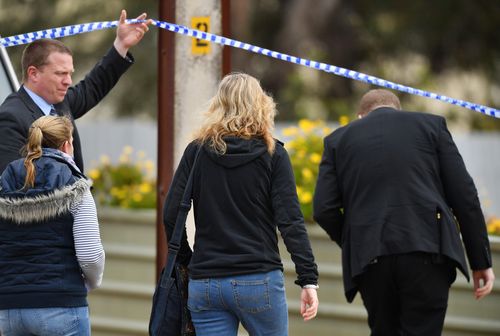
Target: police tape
179,29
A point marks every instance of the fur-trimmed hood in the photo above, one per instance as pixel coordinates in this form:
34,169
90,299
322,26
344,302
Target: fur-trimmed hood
43,206
59,185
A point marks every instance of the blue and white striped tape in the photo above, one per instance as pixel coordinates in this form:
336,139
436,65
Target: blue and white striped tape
88,27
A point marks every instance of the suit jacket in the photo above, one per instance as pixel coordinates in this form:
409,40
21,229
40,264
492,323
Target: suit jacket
18,111
392,183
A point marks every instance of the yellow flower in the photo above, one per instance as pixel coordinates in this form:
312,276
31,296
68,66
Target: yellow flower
306,125
137,197
301,154
306,197
125,184
141,155
105,159
114,191
119,193
149,165
123,158
343,120
307,174
127,150
494,226
315,158
145,188
94,174
290,131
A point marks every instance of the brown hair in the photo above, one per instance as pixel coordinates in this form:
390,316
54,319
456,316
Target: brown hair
240,108
48,132
37,52
377,98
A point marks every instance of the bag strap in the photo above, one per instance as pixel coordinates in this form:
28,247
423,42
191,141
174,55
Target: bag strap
180,223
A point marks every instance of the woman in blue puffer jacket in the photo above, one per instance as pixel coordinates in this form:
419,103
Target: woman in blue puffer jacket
51,253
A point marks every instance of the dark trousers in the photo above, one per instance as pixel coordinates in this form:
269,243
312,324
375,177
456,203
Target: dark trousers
407,294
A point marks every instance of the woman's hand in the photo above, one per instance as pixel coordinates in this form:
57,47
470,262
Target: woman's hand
309,303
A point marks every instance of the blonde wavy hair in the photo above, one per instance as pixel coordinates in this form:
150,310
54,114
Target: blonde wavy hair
239,108
48,132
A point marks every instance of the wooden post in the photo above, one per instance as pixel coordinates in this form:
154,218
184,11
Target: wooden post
166,93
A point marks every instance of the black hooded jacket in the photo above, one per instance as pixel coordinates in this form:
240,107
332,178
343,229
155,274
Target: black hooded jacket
240,198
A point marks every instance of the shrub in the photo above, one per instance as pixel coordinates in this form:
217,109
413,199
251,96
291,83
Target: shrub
127,184
493,226
305,150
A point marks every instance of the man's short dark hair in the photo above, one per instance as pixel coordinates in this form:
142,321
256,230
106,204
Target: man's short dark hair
36,53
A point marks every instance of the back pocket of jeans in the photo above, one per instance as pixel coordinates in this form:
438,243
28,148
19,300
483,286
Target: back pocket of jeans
198,299
251,296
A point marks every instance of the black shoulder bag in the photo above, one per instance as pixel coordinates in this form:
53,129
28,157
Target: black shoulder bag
169,314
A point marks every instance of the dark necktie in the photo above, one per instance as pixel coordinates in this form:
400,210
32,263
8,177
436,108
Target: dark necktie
53,112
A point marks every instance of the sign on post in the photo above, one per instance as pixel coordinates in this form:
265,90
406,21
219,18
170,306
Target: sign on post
200,47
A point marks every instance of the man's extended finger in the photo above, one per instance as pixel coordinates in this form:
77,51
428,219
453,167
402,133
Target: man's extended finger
142,16
123,16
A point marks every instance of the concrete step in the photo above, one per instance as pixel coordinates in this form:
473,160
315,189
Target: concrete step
332,320
137,227
461,302
105,326
325,250
495,254
122,300
130,263
467,326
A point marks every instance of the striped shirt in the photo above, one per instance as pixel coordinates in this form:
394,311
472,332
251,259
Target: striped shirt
88,246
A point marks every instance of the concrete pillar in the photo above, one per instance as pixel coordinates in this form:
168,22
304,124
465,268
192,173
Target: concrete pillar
196,76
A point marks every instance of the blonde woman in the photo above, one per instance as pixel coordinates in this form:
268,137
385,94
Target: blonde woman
51,251
243,190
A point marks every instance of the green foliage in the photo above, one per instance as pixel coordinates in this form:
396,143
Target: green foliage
128,184
305,150
385,38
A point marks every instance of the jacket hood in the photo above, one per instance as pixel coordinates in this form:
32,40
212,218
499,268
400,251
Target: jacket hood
58,186
239,151
42,206
52,171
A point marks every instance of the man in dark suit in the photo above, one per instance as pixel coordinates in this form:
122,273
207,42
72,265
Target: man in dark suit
47,67
394,193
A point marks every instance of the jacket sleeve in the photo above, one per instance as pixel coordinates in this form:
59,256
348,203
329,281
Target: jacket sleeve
461,195
88,246
289,219
173,201
327,201
13,138
97,83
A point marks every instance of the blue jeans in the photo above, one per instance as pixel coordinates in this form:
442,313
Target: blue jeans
258,301
45,322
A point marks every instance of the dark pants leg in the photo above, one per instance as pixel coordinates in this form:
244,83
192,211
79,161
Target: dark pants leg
407,295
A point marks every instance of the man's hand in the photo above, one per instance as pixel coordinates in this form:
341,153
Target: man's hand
129,34
308,303
483,282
